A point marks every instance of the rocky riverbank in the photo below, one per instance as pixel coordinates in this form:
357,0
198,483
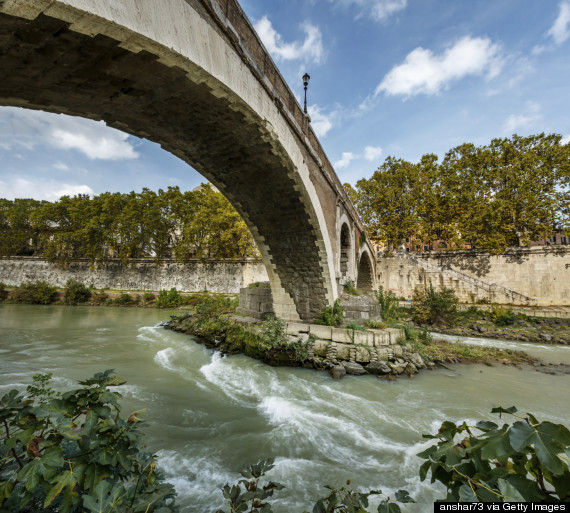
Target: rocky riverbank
543,331
386,354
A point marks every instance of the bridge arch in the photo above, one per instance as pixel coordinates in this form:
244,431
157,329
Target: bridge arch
346,250
366,280
166,72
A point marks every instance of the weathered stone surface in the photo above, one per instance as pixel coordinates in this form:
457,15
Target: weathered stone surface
341,335
362,354
379,368
547,337
365,338
343,351
296,327
396,368
337,372
143,274
382,353
323,332
397,350
534,272
354,369
321,347
410,369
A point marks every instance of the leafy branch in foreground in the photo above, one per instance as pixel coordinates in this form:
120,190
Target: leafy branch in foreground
344,500
74,453
526,461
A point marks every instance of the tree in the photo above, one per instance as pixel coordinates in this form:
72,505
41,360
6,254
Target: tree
388,201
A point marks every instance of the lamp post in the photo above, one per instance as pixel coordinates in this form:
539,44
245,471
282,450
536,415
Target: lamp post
306,79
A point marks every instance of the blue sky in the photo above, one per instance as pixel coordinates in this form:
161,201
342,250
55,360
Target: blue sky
388,77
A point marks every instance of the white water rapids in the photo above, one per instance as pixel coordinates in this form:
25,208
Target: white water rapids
209,414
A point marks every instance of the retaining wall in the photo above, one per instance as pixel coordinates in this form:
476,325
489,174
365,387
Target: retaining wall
143,274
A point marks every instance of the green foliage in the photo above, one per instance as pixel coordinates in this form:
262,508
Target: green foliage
389,304
249,495
99,297
123,299
148,298
125,226
3,291
273,332
526,461
259,285
210,307
354,326
35,293
349,288
331,316
507,193
502,316
75,292
74,453
375,325
170,299
434,307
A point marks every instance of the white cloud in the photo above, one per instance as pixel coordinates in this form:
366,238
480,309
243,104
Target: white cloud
522,121
424,72
61,166
42,190
565,139
345,160
560,31
379,10
320,121
25,128
311,49
372,153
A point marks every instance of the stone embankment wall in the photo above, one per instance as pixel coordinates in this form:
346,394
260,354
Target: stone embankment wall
538,276
215,276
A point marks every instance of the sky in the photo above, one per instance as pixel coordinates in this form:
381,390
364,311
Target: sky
397,78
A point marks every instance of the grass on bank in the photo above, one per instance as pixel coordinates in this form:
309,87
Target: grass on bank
77,293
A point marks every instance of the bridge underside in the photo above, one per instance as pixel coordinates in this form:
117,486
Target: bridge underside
47,66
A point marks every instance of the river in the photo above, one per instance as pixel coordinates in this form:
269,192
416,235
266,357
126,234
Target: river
210,415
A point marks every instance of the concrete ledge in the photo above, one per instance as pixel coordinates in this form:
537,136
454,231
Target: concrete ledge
296,327
341,335
319,331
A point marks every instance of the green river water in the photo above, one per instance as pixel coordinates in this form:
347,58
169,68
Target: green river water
210,415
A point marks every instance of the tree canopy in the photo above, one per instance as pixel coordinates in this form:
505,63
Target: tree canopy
507,193
164,224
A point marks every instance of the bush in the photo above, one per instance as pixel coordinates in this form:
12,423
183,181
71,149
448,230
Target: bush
3,291
273,333
214,306
259,285
99,297
376,325
148,297
434,307
331,315
502,316
389,303
75,292
124,299
350,288
74,452
170,299
523,462
35,293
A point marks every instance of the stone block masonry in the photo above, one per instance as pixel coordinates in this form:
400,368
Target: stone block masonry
222,276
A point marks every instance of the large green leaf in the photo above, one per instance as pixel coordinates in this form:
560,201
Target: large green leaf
105,497
65,479
546,438
509,492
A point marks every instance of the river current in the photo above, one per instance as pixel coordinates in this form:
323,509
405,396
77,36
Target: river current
209,415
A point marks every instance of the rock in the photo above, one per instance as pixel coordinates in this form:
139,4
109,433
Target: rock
354,369
382,353
482,329
547,337
378,368
396,369
398,350
362,354
337,372
321,347
410,369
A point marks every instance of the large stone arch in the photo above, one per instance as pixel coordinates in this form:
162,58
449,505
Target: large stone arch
163,71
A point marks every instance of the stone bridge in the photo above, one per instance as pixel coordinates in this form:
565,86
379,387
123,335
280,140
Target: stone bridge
193,76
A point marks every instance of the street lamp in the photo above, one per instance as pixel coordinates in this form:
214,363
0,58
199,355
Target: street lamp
306,79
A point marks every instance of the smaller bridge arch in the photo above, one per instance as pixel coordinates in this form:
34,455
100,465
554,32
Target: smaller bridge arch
366,280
